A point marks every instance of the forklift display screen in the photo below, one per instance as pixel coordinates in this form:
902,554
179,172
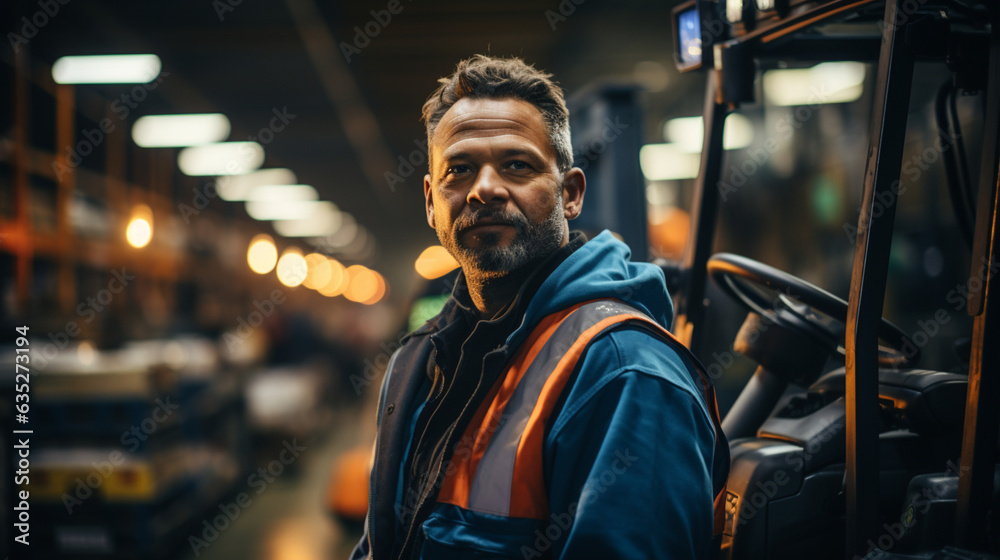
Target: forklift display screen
689,37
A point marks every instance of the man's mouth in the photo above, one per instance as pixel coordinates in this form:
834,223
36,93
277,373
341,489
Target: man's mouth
484,225
493,224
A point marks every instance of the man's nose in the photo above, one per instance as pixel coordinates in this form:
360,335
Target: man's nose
489,188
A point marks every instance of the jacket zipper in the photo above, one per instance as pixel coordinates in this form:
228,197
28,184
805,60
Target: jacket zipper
448,440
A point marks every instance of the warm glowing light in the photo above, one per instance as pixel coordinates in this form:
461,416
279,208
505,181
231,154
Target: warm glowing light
155,131
238,187
221,158
661,162
320,271
668,232
85,353
435,262
686,133
363,283
380,291
175,355
262,255
106,69
292,268
734,11
829,82
140,227
338,280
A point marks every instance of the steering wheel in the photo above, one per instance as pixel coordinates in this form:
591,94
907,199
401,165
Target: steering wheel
799,305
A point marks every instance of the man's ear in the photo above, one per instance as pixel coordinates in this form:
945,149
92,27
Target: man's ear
429,201
574,186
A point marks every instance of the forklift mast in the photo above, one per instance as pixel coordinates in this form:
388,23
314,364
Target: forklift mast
727,41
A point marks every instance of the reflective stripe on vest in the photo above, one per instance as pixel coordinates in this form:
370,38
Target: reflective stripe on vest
496,467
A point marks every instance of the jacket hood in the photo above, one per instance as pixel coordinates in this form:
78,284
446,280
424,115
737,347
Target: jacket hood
600,269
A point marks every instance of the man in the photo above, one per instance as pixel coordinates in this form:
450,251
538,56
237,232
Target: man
545,412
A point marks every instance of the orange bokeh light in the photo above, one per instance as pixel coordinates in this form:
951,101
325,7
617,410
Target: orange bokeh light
435,262
363,283
338,281
383,289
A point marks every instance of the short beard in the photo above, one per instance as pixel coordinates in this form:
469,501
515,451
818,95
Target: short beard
531,244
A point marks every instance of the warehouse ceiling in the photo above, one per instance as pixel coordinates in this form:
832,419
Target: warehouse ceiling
350,78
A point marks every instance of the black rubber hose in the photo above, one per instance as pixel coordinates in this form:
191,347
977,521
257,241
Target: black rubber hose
955,190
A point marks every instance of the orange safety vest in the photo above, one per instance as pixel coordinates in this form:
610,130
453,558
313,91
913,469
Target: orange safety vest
496,467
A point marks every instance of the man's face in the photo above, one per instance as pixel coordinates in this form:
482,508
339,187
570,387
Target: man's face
495,195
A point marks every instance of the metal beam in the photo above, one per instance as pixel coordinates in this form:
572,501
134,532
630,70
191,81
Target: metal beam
868,277
356,117
979,452
704,215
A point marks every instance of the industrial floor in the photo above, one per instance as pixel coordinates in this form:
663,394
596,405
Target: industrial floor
288,520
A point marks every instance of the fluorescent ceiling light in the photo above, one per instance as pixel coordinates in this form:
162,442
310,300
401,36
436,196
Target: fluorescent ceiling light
661,162
267,210
282,193
829,82
344,236
687,133
106,69
222,158
238,187
325,219
156,131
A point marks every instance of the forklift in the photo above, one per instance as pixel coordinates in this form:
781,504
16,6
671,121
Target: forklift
881,458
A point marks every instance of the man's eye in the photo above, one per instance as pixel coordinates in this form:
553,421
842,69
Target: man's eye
456,169
518,165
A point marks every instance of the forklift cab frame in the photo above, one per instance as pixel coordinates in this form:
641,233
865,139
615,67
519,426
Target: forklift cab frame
732,37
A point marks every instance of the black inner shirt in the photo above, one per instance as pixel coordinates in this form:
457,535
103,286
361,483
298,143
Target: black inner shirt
469,356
